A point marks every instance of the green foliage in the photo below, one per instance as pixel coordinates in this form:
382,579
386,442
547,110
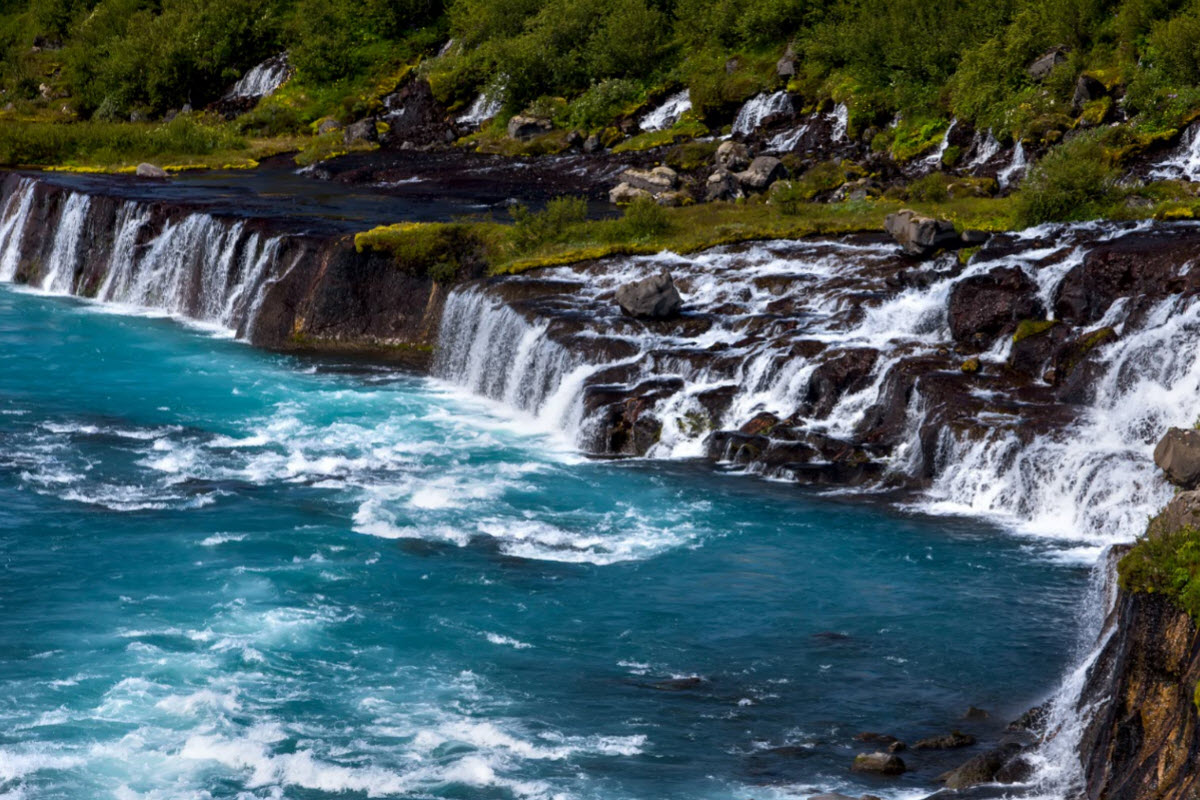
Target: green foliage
691,155
1165,562
1074,181
531,229
931,188
645,219
439,250
33,144
603,102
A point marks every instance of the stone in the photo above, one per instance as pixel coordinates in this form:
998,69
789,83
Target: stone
983,768
732,156
1178,455
951,741
673,199
879,764
762,172
659,179
145,170
870,737
897,747
527,127
623,194
328,126
974,713
983,306
1042,66
654,297
919,235
592,144
361,132
1087,89
722,185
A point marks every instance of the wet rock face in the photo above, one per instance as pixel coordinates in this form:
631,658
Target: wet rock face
983,306
919,235
1143,739
1178,455
879,764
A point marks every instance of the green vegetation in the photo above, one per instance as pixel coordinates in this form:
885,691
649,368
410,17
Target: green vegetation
1032,327
1165,562
1073,182
561,235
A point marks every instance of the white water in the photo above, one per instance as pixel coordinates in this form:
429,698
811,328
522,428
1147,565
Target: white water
934,159
1184,163
787,141
986,147
760,107
668,113
485,106
197,267
1015,170
263,79
841,122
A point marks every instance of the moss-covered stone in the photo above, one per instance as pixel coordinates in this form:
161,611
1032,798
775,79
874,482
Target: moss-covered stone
971,366
1030,327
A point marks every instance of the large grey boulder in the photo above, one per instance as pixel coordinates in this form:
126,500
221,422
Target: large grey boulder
1178,455
920,235
361,132
879,764
151,171
762,172
526,127
1045,64
623,194
723,185
732,156
651,298
659,179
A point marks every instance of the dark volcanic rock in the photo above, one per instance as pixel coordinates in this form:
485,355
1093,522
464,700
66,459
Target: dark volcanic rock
879,764
1178,455
951,741
983,768
651,298
983,306
843,373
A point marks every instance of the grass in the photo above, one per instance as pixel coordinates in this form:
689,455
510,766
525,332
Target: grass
647,229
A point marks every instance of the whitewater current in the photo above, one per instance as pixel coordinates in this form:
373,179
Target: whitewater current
247,576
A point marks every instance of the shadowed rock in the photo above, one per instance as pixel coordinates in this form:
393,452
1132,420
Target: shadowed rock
651,298
879,764
919,235
1178,455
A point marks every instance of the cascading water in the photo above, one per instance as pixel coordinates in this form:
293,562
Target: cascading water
484,107
668,113
262,80
1184,163
759,109
197,266
840,116
1015,170
934,159
985,149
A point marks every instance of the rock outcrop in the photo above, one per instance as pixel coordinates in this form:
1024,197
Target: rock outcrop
654,297
920,235
1178,456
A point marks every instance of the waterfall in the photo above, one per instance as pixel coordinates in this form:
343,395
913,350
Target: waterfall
934,159
840,117
668,113
196,266
1015,169
484,107
760,108
787,141
1184,163
262,80
985,146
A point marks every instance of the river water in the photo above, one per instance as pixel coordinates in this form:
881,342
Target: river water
231,574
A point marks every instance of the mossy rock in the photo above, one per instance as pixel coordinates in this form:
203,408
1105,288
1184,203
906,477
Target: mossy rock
691,156
971,366
1075,352
1029,327
1095,112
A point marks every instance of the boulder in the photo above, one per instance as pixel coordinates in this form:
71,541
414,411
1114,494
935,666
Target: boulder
526,127
1087,89
1178,455
974,713
592,144
920,235
722,185
785,67
1043,65
654,297
762,172
986,767
951,741
870,737
623,194
361,132
654,181
328,126
983,306
733,156
145,170
879,764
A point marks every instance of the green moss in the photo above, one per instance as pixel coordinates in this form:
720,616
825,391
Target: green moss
971,366
966,254
911,139
691,155
1031,327
1078,350
685,129
439,250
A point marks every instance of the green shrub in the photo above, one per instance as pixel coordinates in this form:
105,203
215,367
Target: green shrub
931,188
34,144
1167,563
645,219
602,103
532,229
1073,181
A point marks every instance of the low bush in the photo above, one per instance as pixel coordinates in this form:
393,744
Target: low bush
534,228
1072,182
645,219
